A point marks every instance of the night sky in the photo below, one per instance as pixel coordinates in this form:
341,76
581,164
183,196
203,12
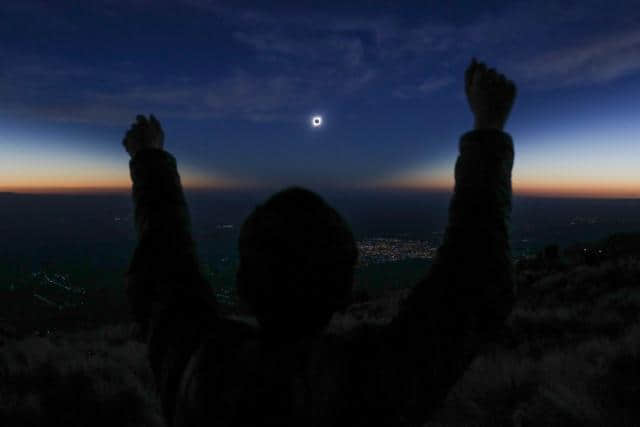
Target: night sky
235,85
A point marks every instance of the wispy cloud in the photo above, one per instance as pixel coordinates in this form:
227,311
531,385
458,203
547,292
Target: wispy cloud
241,95
56,90
331,50
598,61
292,61
425,88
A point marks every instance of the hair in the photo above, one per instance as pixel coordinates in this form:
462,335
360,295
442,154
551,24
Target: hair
297,257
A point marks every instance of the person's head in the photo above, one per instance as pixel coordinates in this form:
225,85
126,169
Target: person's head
297,257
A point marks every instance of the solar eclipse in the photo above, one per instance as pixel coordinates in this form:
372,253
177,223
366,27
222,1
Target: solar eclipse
316,121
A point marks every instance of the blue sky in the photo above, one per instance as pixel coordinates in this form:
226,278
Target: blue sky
235,85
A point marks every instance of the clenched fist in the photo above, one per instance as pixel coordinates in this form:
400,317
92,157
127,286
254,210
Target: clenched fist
144,133
490,94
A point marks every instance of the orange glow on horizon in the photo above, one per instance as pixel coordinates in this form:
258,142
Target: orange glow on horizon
612,185
62,185
522,190
567,187
576,191
103,186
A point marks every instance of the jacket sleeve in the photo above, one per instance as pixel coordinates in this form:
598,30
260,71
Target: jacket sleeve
465,297
170,298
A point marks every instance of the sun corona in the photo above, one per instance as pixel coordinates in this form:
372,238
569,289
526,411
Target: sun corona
316,121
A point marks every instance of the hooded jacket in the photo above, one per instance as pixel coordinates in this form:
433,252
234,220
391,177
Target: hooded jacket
210,370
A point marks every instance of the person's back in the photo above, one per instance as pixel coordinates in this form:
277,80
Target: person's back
254,381
239,378
297,258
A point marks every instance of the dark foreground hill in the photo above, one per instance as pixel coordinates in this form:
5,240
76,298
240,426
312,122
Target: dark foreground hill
570,355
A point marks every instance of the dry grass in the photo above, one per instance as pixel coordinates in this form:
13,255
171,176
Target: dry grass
570,357
97,378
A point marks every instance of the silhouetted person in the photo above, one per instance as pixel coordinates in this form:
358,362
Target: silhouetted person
297,257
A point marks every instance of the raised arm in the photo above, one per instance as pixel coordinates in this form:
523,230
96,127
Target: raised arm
465,297
169,297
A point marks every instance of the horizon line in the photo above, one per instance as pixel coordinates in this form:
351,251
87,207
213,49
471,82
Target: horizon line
526,192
